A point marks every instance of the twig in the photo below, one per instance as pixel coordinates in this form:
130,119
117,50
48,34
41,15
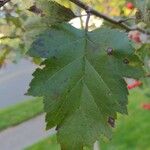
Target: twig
81,15
127,19
9,37
3,2
111,20
88,11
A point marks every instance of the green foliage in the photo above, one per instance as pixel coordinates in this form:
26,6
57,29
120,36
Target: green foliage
52,12
82,81
144,53
143,14
143,5
43,14
82,74
126,136
127,132
19,26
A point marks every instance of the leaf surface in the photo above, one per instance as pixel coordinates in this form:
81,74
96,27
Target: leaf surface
53,12
82,81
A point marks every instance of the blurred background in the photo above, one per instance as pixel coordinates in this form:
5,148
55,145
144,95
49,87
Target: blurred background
22,125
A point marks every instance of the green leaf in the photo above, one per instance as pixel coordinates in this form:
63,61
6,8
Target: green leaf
82,81
53,12
143,14
143,4
45,13
144,53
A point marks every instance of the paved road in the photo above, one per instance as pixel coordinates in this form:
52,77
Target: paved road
14,81
25,134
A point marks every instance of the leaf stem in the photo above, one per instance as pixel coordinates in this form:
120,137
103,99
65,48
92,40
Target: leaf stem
87,19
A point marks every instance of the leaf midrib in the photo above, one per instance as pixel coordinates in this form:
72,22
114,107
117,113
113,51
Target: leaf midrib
82,78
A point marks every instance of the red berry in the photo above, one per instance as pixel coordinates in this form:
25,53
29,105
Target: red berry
130,5
137,39
135,36
134,84
146,106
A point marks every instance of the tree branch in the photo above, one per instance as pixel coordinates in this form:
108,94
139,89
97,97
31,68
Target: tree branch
9,37
3,2
111,20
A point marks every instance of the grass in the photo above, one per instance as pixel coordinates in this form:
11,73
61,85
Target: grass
16,114
46,144
131,133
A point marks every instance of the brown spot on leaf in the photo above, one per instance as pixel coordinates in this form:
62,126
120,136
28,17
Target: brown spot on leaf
36,10
126,61
111,121
109,51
